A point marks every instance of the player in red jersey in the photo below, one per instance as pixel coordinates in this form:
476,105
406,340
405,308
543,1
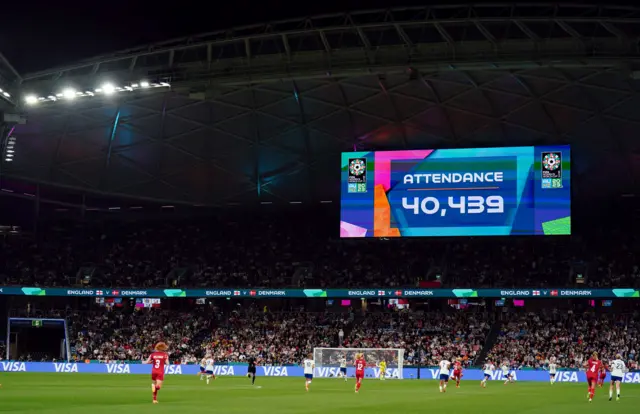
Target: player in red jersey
158,359
360,365
603,375
593,368
457,371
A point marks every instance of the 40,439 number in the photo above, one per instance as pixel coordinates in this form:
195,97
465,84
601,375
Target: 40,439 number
463,205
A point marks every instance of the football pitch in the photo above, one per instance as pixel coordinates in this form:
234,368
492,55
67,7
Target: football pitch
95,394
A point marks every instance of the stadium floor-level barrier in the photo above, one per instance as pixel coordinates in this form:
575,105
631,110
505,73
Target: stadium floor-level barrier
290,371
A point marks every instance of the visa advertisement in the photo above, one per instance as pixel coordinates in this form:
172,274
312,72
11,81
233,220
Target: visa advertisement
289,371
456,192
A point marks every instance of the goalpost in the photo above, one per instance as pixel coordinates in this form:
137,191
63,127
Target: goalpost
37,339
330,358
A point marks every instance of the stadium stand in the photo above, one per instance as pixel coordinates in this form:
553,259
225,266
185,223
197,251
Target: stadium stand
277,253
528,340
427,337
525,340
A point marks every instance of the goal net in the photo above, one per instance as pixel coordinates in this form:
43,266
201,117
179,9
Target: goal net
327,361
37,339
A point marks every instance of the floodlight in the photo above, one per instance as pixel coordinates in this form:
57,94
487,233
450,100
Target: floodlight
69,93
108,89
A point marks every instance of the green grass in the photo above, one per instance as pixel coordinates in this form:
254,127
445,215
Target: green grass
95,394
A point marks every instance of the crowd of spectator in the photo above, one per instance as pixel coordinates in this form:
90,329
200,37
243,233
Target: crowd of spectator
530,340
109,336
426,337
118,336
243,253
272,252
525,340
275,338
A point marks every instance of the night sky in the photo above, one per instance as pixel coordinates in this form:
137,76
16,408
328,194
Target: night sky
36,35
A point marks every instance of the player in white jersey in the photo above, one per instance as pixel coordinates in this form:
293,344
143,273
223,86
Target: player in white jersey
202,368
618,369
208,368
553,370
506,373
445,370
343,368
309,366
488,372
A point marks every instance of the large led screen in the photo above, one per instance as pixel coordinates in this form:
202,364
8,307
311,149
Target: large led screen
456,192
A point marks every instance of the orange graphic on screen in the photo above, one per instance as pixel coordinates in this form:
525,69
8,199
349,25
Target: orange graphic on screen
382,214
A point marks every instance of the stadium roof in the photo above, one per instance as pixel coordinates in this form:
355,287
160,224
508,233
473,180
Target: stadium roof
261,113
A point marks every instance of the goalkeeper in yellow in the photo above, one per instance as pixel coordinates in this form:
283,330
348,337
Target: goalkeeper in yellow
383,369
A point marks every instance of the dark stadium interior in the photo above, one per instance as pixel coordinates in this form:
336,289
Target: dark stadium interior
269,130
223,173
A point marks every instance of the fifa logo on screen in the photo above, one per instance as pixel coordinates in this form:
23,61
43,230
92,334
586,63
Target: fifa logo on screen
357,182
551,169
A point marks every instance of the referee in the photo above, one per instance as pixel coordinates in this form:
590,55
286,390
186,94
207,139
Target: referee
252,369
